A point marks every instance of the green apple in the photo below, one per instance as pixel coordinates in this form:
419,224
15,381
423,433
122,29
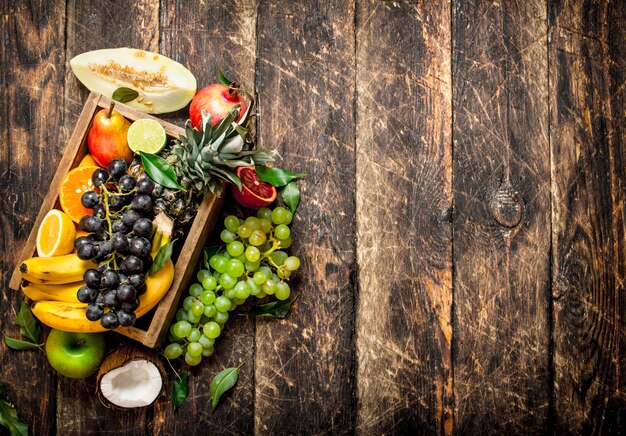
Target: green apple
75,355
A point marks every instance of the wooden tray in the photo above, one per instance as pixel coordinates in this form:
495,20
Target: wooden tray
189,252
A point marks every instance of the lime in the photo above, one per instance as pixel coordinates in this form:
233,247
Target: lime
147,136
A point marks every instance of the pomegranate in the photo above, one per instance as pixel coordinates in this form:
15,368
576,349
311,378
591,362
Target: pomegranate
216,100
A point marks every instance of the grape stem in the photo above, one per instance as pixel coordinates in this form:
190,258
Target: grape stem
108,214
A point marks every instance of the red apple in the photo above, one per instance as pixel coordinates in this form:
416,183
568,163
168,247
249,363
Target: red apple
107,137
216,100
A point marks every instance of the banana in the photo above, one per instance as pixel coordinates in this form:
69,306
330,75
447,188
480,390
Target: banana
70,317
55,269
62,292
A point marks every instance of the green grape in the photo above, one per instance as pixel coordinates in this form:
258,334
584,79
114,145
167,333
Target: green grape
284,273
194,348
194,335
235,268
227,236
282,291
216,276
221,318
192,317
220,262
235,249
222,303
231,222
212,329
269,287
275,278
259,277
226,255
288,217
181,315
173,351
173,339
238,302
187,302
242,290
197,308
202,274
285,243
253,222
241,258
244,231
264,213
209,283
263,248
253,254
279,215
278,257
261,295
207,297
230,293
210,310
227,281
282,231
292,263
192,360
252,266
266,225
207,352
254,288
195,290
181,329
206,342
267,271
257,238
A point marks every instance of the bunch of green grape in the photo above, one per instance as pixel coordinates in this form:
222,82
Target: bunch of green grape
253,264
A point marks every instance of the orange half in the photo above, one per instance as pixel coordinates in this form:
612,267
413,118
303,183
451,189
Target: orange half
56,234
76,183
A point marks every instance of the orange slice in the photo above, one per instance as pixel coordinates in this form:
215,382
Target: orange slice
87,161
254,193
76,183
55,236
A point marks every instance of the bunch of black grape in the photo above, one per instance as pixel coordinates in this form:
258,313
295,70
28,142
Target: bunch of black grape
119,241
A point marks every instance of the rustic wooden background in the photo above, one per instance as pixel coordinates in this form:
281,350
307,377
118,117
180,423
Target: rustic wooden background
462,228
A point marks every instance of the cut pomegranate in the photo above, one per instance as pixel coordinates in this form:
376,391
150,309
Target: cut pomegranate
254,193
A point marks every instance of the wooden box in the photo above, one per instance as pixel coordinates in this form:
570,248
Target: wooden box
188,252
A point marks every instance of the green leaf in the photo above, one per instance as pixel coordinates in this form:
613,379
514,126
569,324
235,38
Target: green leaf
29,327
291,196
159,170
275,309
276,176
209,252
10,420
164,254
18,344
124,94
224,80
180,389
222,382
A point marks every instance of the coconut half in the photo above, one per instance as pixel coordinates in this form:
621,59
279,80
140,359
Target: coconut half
130,377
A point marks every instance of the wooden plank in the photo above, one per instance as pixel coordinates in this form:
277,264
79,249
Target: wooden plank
32,65
587,100
404,206
502,217
91,26
305,364
207,36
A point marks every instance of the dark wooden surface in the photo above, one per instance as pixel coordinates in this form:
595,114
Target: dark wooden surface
462,227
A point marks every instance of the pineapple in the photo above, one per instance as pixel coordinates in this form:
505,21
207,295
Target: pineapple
202,160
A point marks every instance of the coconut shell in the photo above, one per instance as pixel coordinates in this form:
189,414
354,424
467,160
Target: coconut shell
119,357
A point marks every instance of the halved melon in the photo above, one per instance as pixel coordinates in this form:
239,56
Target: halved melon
164,85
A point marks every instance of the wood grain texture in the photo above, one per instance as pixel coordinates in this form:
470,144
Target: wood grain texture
205,37
587,74
502,219
404,202
305,364
31,111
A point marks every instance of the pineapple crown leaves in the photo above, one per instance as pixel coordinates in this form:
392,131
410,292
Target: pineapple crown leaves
202,158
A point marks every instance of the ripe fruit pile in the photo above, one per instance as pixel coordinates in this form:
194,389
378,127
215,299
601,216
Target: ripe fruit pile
119,230
253,264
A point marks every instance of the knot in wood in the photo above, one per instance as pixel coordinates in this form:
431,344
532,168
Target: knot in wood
506,206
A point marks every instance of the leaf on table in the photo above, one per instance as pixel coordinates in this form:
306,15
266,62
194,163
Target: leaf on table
276,177
222,382
18,344
28,324
180,389
159,170
164,254
291,196
124,94
10,419
275,309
